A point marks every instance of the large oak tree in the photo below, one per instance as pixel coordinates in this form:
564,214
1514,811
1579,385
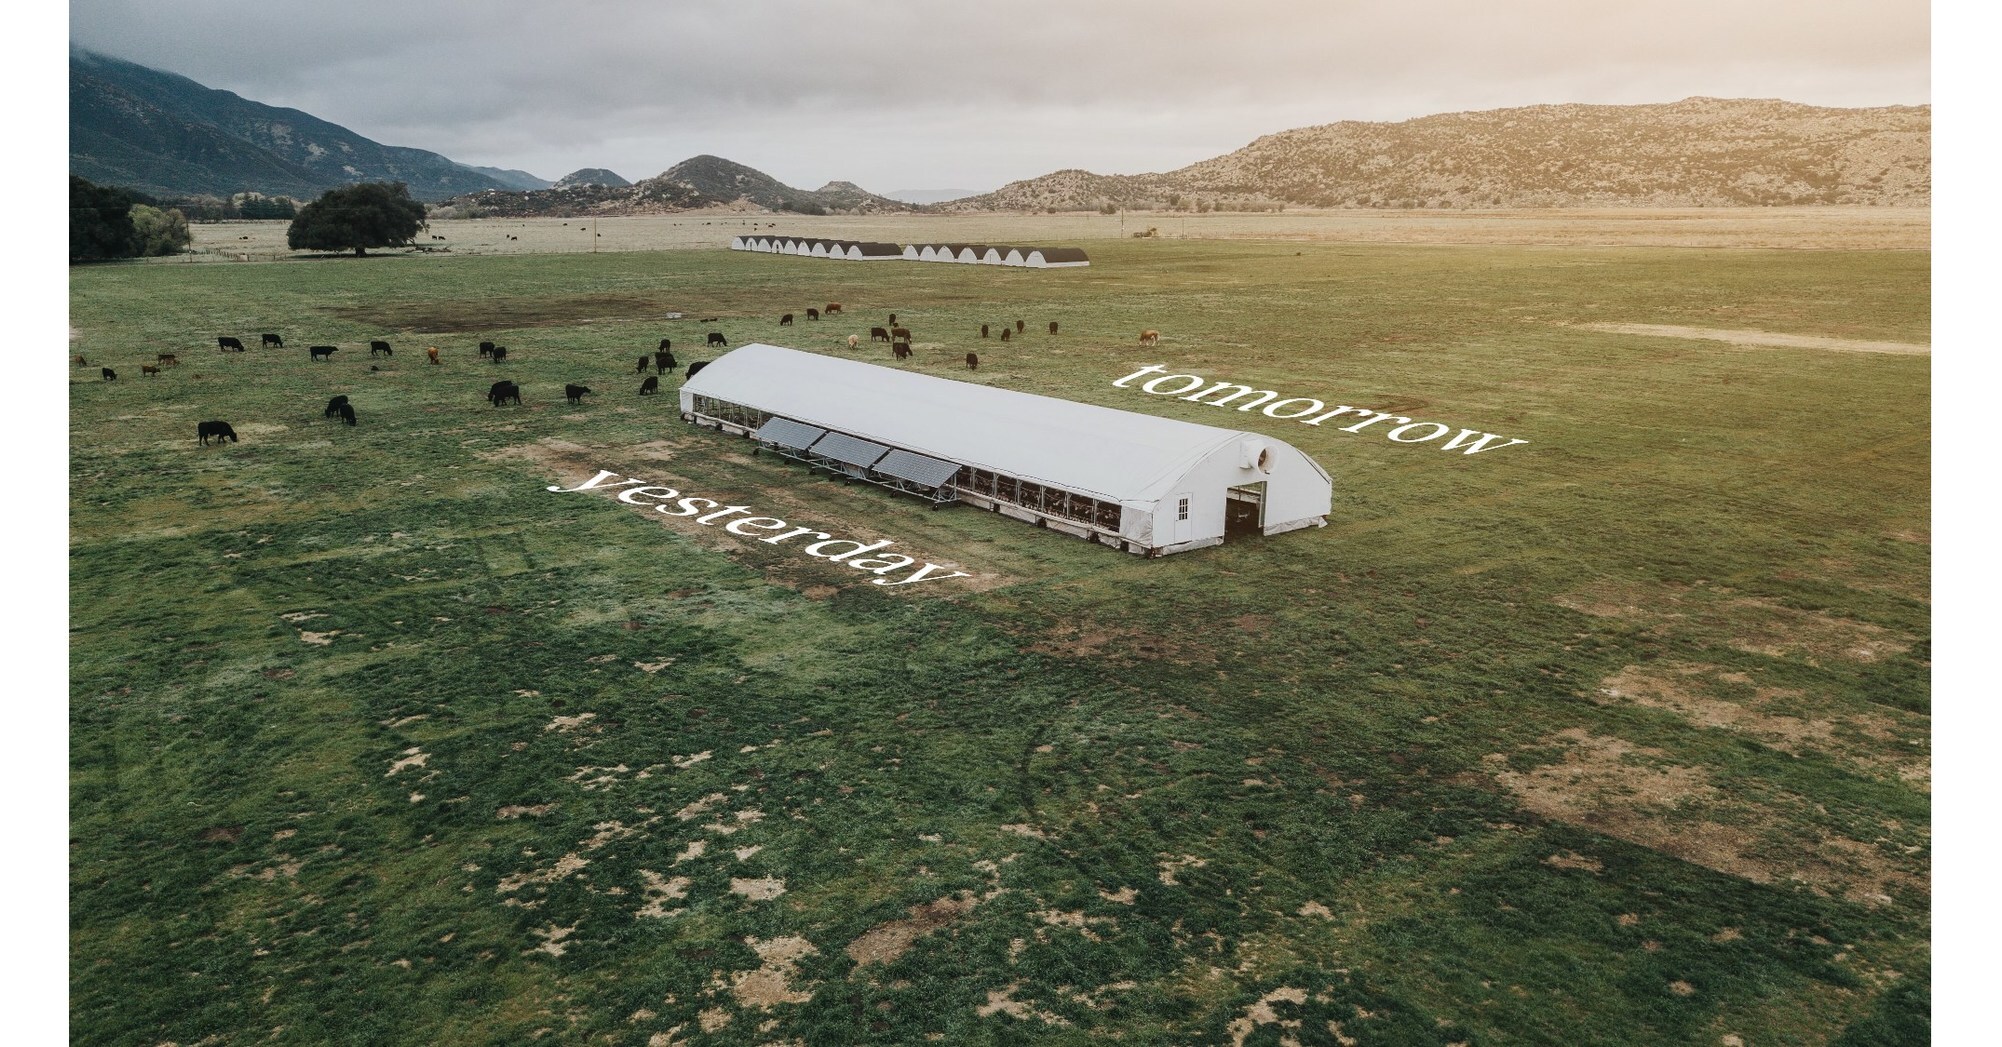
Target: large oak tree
357,217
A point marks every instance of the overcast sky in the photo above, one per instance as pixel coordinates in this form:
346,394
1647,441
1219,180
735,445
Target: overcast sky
942,94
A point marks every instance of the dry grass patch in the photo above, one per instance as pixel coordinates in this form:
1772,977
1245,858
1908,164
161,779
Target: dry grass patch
885,942
1764,339
1755,626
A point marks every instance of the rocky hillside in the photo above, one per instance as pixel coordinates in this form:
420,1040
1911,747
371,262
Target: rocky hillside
701,181
167,135
1706,152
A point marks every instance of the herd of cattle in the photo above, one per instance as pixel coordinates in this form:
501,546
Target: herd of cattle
661,360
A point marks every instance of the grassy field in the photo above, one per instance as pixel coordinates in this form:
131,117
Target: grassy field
1618,736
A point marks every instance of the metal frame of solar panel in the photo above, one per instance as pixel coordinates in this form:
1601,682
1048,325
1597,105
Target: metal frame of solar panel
927,477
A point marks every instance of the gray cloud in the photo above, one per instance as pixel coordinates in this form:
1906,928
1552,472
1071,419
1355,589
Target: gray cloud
902,93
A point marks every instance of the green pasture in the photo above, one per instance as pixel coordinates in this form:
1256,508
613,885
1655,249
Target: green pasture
1618,736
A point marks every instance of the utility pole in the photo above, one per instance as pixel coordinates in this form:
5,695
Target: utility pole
594,234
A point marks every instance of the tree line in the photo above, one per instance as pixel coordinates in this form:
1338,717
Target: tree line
113,222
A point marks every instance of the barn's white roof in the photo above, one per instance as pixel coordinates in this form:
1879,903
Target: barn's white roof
1110,454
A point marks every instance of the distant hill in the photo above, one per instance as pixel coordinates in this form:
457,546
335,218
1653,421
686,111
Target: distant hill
167,135
513,179
700,181
1709,152
930,196
591,176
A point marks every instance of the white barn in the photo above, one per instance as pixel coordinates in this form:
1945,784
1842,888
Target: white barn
1138,482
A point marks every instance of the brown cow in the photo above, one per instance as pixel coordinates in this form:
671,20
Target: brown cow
1004,334
832,307
148,369
432,352
812,314
1018,327
1150,338
1053,327
972,362
81,362
168,360
900,332
983,330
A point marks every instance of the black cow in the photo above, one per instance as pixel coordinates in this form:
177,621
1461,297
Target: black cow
575,393
348,413
696,367
650,386
272,339
664,361
499,353
786,320
502,392
972,362
893,319
379,347
716,338
983,330
1018,326
109,374
486,348
226,344
813,314
1004,334
877,334
900,350
1053,327
219,430
640,368
710,319
334,405
321,352
664,345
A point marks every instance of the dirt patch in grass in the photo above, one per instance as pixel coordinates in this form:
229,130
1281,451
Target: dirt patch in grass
1002,1001
1629,792
1753,625
1261,1013
761,889
1764,339
659,891
885,942
771,983
513,811
1710,696
563,867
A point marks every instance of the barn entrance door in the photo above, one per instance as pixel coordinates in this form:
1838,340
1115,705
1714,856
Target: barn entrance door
1178,504
1244,511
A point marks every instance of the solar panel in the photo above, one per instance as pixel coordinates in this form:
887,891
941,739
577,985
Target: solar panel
786,433
848,450
918,469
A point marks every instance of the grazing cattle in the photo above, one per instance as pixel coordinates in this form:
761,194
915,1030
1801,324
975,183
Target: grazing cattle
972,362
381,348
1150,337
575,393
486,348
220,430
81,362
334,405
854,340
272,339
1004,334
664,361
109,374
696,367
983,330
148,369
664,345
1018,326
500,353
226,344
347,413
1053,327
645,362
167,360
900,332
786,320
709,319
877,334
716,338
900,350
502,392
813,314
321,352
832,307
893,319
432,352
650,386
